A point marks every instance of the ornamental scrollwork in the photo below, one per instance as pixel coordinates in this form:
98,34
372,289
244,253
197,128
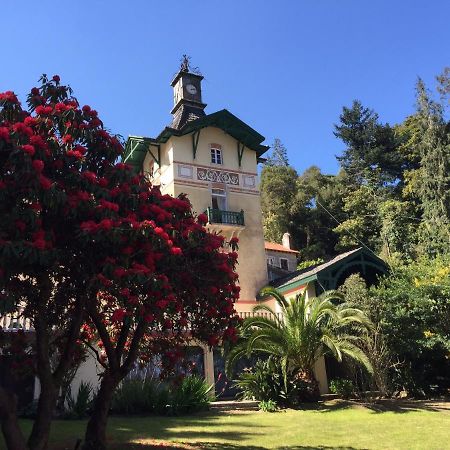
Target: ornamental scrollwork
218,176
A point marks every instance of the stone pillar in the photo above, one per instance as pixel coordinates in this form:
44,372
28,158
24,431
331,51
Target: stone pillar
208,360
320,372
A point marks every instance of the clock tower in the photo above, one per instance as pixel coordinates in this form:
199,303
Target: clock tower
187,95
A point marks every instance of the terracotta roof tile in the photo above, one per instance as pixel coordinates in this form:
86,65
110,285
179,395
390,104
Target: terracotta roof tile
278,247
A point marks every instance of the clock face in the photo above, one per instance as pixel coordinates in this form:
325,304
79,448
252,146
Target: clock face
191,89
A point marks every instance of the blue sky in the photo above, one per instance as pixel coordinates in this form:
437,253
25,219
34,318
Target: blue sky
284,67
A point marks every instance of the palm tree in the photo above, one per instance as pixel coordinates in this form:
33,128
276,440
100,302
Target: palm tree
304,331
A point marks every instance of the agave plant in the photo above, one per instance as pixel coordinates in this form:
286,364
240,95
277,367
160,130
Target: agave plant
306,330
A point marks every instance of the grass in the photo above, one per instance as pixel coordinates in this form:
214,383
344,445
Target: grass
331,425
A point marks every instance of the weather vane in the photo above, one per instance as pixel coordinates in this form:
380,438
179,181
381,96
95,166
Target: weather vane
185,65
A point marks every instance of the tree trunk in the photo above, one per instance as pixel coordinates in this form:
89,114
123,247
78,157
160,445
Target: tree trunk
12,433
311,392
40,433
95,437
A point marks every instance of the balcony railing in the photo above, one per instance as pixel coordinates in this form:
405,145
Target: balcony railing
225,217
15,322
265,314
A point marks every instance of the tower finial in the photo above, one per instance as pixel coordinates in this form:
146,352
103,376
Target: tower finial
185,65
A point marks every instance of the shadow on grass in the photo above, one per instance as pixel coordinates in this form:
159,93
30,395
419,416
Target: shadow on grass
216,446
379,406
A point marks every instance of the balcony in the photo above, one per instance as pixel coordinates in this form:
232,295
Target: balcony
218,216
246,314
15,322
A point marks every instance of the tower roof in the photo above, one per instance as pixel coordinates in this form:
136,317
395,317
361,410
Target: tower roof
137,147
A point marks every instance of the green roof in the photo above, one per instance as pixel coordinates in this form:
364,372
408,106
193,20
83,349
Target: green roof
331,274
136,146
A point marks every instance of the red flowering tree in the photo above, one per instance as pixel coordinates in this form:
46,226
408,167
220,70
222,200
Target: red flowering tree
91,251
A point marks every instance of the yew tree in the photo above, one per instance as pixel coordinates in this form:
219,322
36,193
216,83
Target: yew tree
92,254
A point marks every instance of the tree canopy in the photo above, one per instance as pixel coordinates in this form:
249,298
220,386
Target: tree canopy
91,253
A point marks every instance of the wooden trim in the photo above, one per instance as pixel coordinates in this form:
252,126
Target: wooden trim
191,183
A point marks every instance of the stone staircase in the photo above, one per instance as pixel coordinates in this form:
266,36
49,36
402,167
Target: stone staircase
234,405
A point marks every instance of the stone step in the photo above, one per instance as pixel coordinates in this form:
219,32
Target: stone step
229,405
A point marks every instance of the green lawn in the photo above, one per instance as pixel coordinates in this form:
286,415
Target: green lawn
332,425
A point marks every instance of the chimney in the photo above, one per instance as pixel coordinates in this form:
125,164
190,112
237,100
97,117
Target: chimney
286,241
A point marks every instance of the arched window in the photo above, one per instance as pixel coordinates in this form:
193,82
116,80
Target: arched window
216,154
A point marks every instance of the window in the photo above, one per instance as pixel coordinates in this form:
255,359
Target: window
219,199
216,155
284,264
270,261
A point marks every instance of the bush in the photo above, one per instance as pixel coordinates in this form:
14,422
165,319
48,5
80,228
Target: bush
193,394
149,396
267,406
265,382
78,408
29,411
342,387
140,396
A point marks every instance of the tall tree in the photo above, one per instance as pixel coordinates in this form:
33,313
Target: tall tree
278,189
434,174
90,249
278,155
371,154
317,207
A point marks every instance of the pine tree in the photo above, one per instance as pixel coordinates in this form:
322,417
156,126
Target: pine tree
434,173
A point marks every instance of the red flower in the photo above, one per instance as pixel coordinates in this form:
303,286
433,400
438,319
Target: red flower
40,244
56,78
60,107
213,340
89,226
67,139
43,110
86,108
104,204
119,272
202,219
9,96
38,165
35,91
176,251
105,224
30,121
161,304
20,225
4,134
45,183
90,176
74,153
118,315
29,149
37,141
149,318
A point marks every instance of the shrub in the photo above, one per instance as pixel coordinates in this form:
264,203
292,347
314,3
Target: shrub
267,406
77,408
149,396
29,411
342,387
265,382
193,394
140,396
